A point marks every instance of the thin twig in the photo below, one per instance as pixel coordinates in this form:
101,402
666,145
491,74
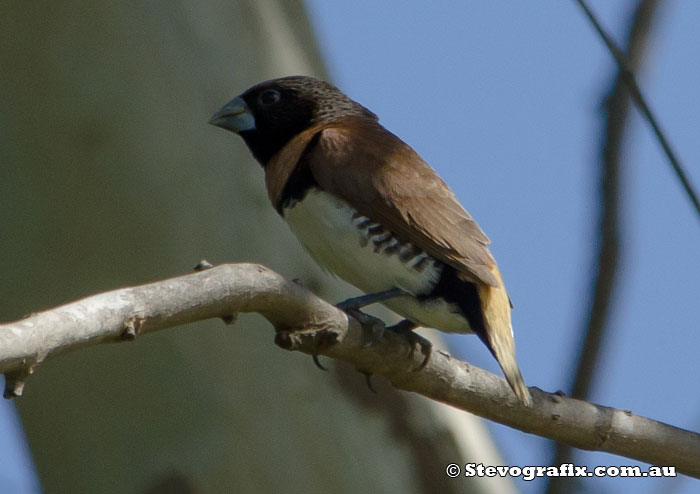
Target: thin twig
306,323
627,75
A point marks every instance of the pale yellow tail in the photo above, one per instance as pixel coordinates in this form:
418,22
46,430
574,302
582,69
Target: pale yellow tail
496,309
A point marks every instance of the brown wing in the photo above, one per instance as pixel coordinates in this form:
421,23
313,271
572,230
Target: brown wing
386,180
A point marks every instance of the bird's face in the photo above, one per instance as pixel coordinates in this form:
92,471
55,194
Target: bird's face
271,113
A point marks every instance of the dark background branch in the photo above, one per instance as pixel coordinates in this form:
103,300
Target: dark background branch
605,264
627,76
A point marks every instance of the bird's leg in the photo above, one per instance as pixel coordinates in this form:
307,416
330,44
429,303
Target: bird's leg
356,303
406,328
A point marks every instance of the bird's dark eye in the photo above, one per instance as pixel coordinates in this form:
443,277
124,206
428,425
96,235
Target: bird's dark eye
269,97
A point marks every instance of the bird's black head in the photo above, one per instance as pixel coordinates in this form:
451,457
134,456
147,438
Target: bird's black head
271,113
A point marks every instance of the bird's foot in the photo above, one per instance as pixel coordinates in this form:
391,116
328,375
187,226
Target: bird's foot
372,327
372,330
406,328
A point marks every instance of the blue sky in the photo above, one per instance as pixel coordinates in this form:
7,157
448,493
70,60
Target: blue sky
503,99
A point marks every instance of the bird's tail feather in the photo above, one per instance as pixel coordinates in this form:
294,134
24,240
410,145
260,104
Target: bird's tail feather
499,331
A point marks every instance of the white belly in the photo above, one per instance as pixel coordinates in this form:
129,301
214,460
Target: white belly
363,254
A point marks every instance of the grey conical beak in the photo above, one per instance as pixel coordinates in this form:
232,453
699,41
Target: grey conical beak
234,116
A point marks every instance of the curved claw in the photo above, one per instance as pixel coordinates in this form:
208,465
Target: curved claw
426,350
368,380
318,364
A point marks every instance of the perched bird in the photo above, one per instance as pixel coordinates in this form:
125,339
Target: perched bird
367,207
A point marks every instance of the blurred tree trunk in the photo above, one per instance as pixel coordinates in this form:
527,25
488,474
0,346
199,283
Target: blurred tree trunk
111,176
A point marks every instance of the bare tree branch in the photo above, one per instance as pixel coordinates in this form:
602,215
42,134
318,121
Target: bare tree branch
617,106
308,324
